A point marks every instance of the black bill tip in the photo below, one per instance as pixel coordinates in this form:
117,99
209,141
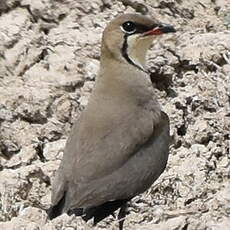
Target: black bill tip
166,28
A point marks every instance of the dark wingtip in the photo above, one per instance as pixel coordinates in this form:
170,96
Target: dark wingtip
100,212
56,210
52,213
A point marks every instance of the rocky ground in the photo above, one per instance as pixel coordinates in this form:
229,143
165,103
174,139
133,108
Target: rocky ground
49,57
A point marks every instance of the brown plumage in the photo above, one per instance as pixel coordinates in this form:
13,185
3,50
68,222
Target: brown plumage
119,145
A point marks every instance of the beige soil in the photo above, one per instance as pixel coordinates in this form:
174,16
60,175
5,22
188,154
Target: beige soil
49,57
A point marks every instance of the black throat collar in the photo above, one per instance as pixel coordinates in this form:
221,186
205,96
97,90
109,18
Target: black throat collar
124,52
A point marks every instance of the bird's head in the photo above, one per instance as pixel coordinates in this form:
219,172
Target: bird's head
128,37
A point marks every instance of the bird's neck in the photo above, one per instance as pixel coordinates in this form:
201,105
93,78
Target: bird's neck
121,78
121,84
128,55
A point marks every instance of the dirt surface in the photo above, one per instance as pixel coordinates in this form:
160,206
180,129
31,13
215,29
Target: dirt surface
49,57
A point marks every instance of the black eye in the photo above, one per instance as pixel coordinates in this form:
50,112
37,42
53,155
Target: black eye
128,27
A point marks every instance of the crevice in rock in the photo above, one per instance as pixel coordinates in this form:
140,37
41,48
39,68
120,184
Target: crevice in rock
182,129
183,65
105,4
62,17
175,10
39,58
162,81
27,7
41,175
185,227
139,7
213,66
33,118
49,20
71,87
4,8
8,150
40,148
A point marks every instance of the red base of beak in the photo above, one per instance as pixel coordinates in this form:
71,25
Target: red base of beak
155,31
160,29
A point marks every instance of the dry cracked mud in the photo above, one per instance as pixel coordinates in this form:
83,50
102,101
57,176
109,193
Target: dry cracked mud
49,57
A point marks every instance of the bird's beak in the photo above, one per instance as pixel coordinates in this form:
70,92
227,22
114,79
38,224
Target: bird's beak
160,29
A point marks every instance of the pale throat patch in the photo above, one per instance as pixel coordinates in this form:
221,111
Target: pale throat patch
137,49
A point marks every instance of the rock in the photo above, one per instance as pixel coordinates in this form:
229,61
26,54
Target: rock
49,59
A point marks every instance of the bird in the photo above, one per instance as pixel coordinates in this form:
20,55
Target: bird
119,145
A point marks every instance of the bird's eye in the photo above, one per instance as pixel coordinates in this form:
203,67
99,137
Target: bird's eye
128,27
